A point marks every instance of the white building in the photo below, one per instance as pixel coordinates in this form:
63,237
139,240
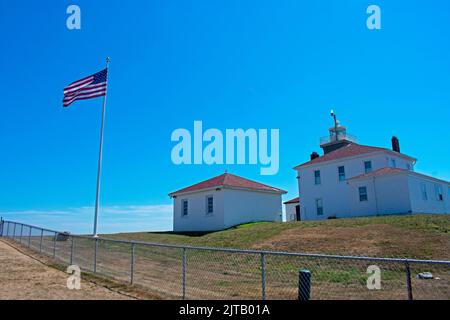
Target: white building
223,202
292,208
351,180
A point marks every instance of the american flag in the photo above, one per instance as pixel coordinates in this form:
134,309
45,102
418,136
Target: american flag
87,88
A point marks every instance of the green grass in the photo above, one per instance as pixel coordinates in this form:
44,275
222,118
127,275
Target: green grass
224,274
242,236
415,236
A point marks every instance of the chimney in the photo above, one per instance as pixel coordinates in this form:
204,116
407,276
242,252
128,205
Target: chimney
314,155
395,144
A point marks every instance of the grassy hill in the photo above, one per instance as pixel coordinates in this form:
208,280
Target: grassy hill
413,236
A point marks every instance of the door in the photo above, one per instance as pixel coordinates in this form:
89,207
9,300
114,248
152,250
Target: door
297,212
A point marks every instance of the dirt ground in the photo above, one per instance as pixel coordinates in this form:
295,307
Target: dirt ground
24,277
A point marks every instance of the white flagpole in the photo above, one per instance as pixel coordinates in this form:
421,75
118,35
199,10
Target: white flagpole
97,196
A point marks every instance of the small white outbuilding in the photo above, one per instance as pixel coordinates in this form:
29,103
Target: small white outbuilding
224,201
292,208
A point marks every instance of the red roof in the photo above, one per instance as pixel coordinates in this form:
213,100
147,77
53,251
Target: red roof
228,180
350,150
295,200
380,172
391,171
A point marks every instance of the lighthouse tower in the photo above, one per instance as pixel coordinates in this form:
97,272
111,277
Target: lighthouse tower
337,138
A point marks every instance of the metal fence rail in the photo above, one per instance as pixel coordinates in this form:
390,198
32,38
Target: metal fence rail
187,272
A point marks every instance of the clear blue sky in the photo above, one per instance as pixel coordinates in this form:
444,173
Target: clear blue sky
232,64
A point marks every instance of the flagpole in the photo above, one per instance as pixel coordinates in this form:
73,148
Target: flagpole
97,196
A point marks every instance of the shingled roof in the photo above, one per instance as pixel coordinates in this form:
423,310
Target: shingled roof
381,172
350,150
228,180
387,171
295,200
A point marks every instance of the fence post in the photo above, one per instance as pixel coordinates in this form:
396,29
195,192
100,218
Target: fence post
1,226
14,231
21,233
304,285
40,241
184,273
7,230
72,246
95,255
29,238
408,280
54,245
132,263
263,276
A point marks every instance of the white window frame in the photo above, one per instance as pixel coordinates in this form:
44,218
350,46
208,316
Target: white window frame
341,177
368,170
439,192
183,201
321,206
363,194
317,179
423,190
207,205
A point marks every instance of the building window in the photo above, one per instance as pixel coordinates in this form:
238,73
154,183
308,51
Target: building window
209,205
317,179
362,193
319,207
184,208
439,195
367,166
423,188
341,171
393,163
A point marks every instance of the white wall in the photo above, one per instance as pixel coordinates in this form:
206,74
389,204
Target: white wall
336,195
402,193
291,214
241,206
386,195
197,218
432,204
362,208
231,207
393,194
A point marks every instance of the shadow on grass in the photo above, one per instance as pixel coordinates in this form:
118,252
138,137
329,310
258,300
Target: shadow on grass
204,233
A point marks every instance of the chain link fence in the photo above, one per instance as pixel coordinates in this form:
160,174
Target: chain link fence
186,272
